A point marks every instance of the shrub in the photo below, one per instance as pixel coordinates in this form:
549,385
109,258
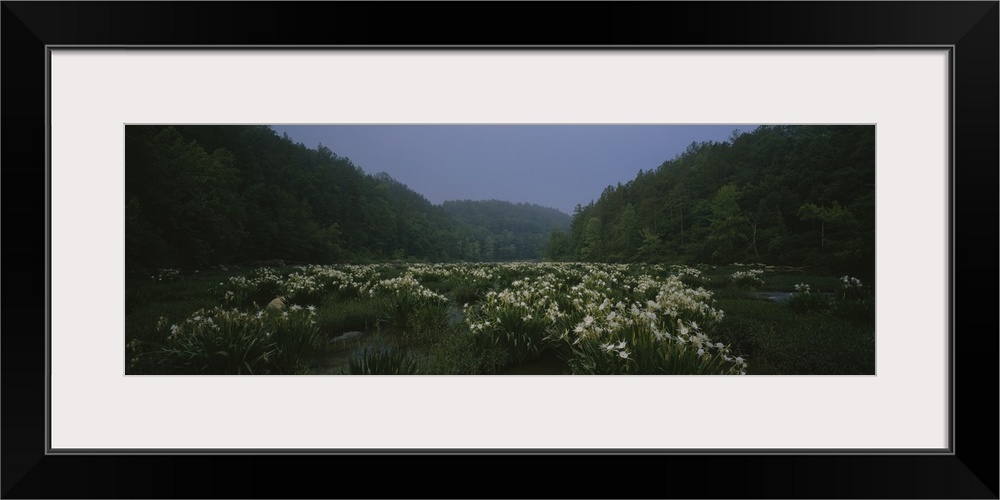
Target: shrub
804,301
334,316
259,287
230,342
301,289
643,349
856,303
851,287
400,298
465,294
750,279
381,360
460,352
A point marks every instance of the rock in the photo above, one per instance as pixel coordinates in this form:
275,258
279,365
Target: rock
346,336
277,304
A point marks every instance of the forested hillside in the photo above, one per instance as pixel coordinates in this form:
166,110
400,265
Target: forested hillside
781,195
201,195
502,230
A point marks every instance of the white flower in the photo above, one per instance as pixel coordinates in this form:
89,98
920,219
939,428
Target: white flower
683,329
699,340
623,354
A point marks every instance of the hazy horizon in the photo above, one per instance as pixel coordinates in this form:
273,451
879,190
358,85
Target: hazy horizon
556,166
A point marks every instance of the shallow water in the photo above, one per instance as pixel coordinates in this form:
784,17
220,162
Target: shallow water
775,296
781,296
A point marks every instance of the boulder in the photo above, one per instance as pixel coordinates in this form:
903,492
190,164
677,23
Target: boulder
278,304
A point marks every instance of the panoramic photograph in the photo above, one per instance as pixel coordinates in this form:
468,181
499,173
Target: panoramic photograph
535,250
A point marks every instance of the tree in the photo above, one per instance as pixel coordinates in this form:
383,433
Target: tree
727,224
560,246
592,247
834,214
652,246
178,193
627,234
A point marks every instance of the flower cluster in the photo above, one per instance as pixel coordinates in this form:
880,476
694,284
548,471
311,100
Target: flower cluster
299,287
260,285
803,300
231,341
751,278
601,310
680,270
619,349
406,284
848,282
609,318
851,288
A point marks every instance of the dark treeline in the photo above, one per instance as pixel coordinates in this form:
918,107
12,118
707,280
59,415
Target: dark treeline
501,230
202,195
781,195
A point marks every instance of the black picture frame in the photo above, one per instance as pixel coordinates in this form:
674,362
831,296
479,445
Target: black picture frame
971,28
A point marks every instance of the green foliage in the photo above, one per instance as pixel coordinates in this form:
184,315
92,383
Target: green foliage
749,279
560,247
503,231
652,245
257,288
524,337
727,225
803,301
643,354
335,316
592,248
460,352
780,343
198,195
794,195
466,294
228,342
384,360
181,205
855,301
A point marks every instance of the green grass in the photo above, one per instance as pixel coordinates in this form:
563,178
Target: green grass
335,316
146,300
779,341
458,352
383,360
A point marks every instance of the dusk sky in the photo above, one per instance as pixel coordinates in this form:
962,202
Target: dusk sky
556,166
